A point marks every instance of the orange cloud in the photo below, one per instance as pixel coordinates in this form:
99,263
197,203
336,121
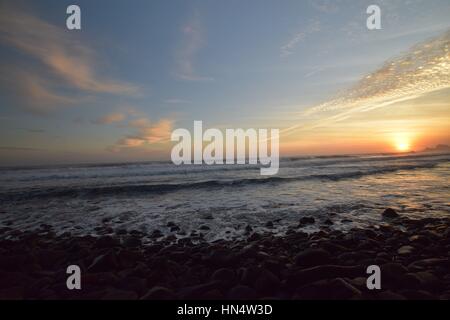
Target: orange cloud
39,95
147,134
159,132
130,142
59,51
140,123
111,118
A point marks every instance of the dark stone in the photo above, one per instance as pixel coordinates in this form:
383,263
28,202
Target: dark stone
422,265
13,293
196,291
106,242
213,294
116,294
303,276
269,224
254,237
171,224
405,250
132,242
248,275
389,295
104,262
390,213
241,292
156,234
335,289
220,257
427,280
419,239
312,257
101,279
120,232
307,220
159,293
225,275
267,282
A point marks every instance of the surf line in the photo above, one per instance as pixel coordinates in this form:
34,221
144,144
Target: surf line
237,144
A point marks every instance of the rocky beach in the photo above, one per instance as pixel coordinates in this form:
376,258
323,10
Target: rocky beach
413,255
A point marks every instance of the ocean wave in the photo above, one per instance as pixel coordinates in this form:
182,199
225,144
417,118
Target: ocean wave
159,169
159,188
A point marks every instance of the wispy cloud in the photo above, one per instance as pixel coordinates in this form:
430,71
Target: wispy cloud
421,70
289,47
146,133
66,60
37,94
193,39
110,118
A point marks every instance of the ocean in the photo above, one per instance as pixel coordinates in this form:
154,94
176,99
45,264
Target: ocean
222,200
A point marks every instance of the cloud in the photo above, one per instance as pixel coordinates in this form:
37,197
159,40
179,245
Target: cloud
38,95
130,142
423,69
193,40
159,132
140,123
147,133
288,48
63,60
111,118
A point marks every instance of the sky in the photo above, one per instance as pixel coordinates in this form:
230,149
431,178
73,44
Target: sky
137,70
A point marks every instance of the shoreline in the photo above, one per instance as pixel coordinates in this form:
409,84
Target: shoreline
413,256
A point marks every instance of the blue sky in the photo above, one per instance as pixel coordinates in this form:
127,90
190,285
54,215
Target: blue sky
138,69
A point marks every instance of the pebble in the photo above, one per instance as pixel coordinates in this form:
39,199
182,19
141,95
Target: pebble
413,256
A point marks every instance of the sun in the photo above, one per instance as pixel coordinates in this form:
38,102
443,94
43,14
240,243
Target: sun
402,142
403,146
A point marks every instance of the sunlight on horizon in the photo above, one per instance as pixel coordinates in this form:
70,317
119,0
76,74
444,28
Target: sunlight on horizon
402,142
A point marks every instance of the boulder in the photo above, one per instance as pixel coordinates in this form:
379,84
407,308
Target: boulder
307,220
335,289
103,263
405,250
390,213
242,292
313,257
225,275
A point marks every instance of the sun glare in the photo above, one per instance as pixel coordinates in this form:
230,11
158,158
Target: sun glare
402,146
402,143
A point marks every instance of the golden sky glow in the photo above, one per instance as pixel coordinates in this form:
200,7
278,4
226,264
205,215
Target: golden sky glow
403,106
116,91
